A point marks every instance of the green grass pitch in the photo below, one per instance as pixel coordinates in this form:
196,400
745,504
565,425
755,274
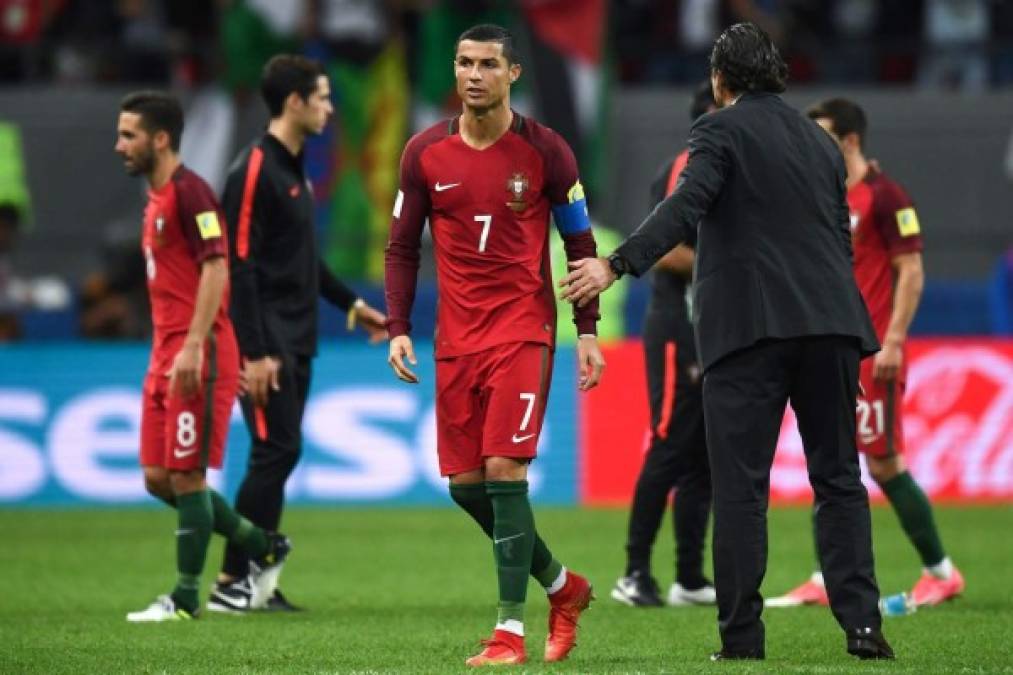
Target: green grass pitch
412,590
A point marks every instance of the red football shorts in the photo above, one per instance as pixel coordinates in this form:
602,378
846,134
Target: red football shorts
184,434
491,404
879,427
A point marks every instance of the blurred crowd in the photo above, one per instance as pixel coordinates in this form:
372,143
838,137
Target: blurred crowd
934,43
952,44
389,65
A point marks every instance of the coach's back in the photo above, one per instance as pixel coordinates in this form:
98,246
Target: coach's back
767,187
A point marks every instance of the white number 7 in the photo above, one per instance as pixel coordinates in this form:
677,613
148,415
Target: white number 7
530,398
486,224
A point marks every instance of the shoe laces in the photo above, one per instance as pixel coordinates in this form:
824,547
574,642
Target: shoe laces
495,642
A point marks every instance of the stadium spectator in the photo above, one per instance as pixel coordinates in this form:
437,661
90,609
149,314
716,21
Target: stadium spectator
114,300
10,222
956,34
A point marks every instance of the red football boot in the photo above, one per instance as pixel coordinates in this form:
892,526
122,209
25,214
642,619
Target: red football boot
931,590
502,649
812,592
565,607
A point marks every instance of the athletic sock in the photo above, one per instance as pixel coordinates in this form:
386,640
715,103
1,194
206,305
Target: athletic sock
237,529
475,500
915,514
941,570
513,541
192,537
556,584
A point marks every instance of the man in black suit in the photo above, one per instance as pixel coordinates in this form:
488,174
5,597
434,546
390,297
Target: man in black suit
778,318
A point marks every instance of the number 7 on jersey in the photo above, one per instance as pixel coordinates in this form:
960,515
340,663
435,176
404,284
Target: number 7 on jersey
486,221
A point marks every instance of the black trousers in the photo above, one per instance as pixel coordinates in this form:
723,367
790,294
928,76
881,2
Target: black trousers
677,457
744,396
272,458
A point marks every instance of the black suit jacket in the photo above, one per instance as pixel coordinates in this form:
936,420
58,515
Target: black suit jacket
767,187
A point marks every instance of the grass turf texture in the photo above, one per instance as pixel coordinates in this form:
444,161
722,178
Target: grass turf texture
398,590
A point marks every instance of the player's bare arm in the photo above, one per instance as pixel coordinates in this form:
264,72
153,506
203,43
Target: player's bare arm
401,350
910,278
185,373
678,261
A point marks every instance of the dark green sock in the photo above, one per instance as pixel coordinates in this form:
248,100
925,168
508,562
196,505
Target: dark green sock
473,498
915,514
236,529
513,542
192,538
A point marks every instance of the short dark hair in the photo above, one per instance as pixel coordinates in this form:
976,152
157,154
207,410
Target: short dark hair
286,74
490,32
159,111
846,117
748,60
702,101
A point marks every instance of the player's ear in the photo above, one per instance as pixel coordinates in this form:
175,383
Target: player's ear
293,102
161,139
515,72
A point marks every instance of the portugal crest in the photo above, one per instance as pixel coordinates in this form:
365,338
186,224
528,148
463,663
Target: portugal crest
517,185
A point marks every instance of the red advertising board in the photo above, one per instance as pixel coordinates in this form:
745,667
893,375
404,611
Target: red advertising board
958,414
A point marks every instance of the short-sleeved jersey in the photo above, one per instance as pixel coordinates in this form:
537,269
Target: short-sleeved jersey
489,213
183,227
883,225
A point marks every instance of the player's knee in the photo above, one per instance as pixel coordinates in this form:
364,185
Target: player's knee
185,482
156,482
884,469
505,469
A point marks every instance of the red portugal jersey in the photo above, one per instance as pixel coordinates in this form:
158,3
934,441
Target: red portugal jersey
883,225
488,212
183,227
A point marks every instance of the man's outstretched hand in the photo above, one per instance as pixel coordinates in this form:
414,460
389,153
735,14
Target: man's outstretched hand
372,321
588,278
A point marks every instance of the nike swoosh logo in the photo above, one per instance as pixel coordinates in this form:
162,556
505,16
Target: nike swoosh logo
521,439
180,454
513,536
180,533
441,188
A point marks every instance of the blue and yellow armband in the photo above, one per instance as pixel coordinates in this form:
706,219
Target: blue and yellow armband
571,217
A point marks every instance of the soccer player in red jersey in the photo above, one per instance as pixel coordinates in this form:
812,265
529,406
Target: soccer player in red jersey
193,373
887,245
488,182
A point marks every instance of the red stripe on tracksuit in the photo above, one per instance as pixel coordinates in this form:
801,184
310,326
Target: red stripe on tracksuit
668,398
246,208
677,166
